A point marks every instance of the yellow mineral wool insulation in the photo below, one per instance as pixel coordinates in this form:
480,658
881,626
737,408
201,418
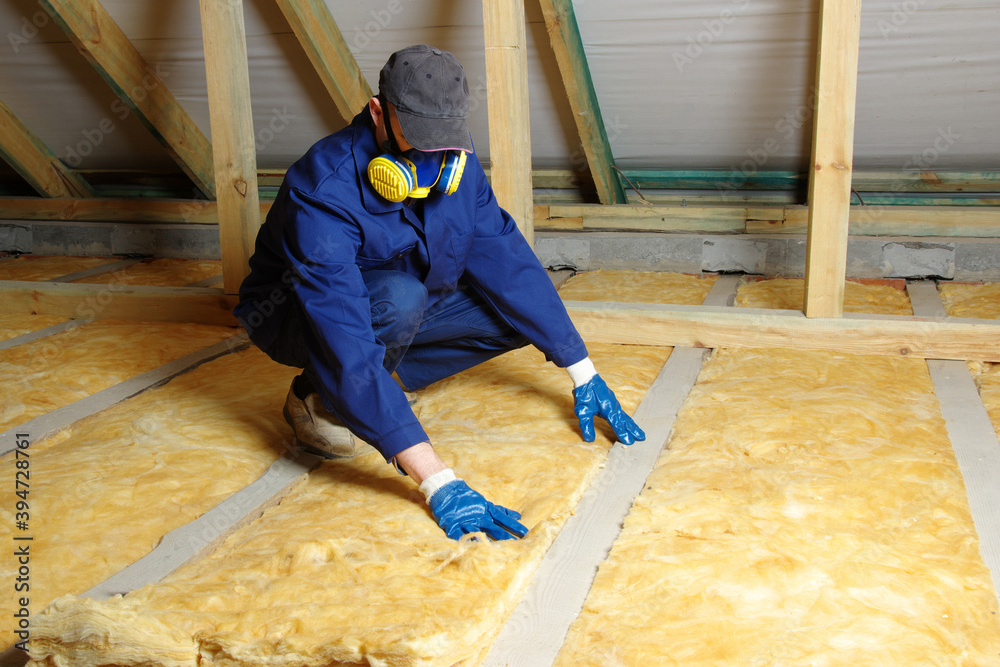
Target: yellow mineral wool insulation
809,511
351,566
787,294
161,272
54,371
104,491
637,287
963,300
12,326
979,301
30,267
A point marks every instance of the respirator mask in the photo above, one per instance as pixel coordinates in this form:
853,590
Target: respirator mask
416,173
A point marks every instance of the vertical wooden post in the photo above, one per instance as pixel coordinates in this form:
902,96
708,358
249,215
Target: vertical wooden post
832,157
507,96
234,154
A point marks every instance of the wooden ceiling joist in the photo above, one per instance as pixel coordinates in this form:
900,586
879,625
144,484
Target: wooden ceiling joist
96,35
329,54
832,157
564,34
33,160
235,154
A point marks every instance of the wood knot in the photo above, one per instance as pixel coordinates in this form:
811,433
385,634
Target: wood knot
241,187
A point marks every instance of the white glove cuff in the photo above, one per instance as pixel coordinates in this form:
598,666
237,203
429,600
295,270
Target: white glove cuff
432,484
582,371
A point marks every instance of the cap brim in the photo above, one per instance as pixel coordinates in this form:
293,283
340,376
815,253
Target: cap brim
435,134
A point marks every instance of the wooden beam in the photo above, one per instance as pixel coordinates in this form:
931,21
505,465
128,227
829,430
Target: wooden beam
226,68
970,221
507,97
832,157
329,54
564,35
195,211
204,305
699,326
139,85
32,159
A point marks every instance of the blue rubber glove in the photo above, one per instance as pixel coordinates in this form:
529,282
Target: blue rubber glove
594,399
460,510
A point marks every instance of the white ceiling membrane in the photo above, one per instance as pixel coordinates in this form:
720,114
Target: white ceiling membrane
689,84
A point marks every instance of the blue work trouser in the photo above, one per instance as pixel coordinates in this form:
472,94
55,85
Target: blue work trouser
422,345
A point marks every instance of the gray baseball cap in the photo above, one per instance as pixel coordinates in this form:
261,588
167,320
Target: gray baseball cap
428,88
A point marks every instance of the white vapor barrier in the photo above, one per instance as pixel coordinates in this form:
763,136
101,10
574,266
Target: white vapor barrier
686,84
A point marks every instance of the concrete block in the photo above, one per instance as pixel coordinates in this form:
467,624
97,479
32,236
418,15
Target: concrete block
15,238
918,259
563,251
734,254
977,260
68,238
646,252
191,241
137,240
865,258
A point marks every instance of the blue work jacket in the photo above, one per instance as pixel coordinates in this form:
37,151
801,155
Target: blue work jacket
328,225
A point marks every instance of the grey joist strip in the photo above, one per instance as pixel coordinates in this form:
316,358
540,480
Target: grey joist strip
47,424
201,536
207,282
535,631
560,277
41,333
96,271
971,432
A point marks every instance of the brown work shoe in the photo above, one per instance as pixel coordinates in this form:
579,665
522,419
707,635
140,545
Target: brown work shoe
316,430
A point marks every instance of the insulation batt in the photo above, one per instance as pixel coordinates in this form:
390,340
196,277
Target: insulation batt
104,491
808,511
12,326
54,371
350,566
983,302
30,267
166,272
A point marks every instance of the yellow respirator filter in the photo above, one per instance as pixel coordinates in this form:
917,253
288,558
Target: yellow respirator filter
397,177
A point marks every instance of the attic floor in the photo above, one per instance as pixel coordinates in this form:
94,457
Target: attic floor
807,507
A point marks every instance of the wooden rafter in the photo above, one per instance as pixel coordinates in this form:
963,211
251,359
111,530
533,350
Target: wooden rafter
230,114
564,34
832,157
507,95
33,160
137,83
329,54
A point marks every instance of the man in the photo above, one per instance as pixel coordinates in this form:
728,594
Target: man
361,272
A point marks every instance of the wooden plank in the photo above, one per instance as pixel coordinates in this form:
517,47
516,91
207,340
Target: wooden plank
535,631
32,159
139,85
201,536
123,302
226,69
194,211
207,282
329,54
564,35
943,221
41,333
832,157
971,432
701,326
47,424
507,98
709,219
